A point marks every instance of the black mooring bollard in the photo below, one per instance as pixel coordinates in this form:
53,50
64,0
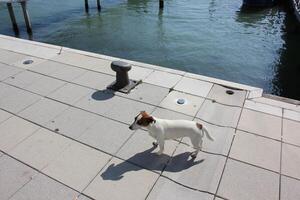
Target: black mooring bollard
86,4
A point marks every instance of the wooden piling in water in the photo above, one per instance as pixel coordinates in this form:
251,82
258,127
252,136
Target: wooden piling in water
161,4
12,17
86,4
26,16
98,5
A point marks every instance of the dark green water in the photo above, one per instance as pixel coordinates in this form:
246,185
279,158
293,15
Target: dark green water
210,37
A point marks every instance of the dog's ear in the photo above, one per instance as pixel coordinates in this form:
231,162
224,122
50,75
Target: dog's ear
149,120
146,120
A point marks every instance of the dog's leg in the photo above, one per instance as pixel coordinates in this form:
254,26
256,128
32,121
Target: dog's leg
197,144
161,144
155,144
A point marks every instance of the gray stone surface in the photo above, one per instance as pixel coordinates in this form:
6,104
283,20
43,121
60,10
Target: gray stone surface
219,94
140,150
290,160
147,93
265,108
242,181
77,165
13,131
222,135
43,111
163,79
94,80
7,71
256,150
72,122
219,114
290,188
21,63
202,173
10,57
42,187
194,86
13,175
291,131
41,148
117,176
4,115
166,189
168,114
190,107
291,114
70,93
260,123
23,79
106,135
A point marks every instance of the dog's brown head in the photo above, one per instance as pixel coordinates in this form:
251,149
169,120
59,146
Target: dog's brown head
143,119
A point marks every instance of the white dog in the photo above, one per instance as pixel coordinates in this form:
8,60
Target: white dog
163,129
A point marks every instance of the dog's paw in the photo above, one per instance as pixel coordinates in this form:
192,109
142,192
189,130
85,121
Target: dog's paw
155,144
159,153
193,155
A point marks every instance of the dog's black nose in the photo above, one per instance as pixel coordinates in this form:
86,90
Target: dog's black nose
130,127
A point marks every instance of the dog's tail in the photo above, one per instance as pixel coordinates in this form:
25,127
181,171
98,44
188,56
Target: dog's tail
207,134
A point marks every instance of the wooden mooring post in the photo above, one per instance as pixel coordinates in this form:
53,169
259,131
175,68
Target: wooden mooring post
161,4
9,4
86,4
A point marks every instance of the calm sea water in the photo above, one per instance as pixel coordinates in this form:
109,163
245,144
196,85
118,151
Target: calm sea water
210,37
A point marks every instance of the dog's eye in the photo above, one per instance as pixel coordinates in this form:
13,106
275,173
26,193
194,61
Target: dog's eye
139,122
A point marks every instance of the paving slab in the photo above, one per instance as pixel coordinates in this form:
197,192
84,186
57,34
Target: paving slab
290,131
43,111
82,197
45,188
41,148
260,123
147,93
169,114
222,135
72,122
140,150
9,57
242,181
272,110
202,173
163,79
274,102
28,62
58,70
223,95
77,165
130,182
13,131
139,73
290,114
194,86
290,188
70,93
256,150
13,176
24,79
219,114
16,100
166,189
7,71
94,80
4,116
290,160
106,135
190,107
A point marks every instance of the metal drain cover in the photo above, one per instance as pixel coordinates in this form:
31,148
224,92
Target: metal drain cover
229,92
181,101
28,62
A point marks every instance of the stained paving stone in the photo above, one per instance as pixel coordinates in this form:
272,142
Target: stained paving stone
290,160
163,79
256,150
13,176
13,131
70,93
202,173
194,86
23,63
290,188
140,150
116,176
222,139
4,116
41,148
72,122
147,93
94,80
42,187
291,131
219,114
7,71
166,189
106,135
24,79
77,165
189,107
260,123
222,95
242,181
43,111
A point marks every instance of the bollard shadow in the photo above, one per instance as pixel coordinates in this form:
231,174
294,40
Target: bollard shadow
102,95
150,161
